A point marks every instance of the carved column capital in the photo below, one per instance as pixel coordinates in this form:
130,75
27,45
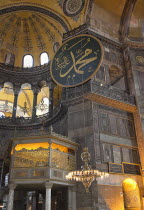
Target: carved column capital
35,89
48,185
12,186
74,188
16,90
52,85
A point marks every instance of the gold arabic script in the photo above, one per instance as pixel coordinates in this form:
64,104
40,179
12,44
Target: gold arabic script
82,61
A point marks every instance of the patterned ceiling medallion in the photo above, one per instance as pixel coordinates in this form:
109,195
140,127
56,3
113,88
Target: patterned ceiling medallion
73,7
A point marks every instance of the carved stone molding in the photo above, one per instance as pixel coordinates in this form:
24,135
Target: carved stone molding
48,185
12,186
19,76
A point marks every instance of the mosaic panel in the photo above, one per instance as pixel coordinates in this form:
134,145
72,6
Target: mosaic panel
39,39
16,33
27,36
73,7
5,28
49,33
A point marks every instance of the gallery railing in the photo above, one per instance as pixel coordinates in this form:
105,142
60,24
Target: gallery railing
96,88
24,121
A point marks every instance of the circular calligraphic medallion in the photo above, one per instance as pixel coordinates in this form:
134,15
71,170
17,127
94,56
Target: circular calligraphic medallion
73,7
76,61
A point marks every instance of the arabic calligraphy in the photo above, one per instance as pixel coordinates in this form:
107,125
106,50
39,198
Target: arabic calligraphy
76,61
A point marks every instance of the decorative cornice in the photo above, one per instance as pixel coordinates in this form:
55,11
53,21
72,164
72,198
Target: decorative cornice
24,75
85,28
22,123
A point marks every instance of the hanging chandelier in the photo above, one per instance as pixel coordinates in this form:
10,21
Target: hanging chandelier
87,175
5,107
25,109
42,106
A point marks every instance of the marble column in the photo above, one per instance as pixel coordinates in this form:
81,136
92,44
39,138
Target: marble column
48,186
35,94
16,92
29,201
11,196
69,198
74,198
51,90
34,200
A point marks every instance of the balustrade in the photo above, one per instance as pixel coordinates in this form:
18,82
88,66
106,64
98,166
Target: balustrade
19,121
96,88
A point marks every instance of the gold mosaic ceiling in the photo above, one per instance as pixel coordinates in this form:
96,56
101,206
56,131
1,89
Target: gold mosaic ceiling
28,33
34,26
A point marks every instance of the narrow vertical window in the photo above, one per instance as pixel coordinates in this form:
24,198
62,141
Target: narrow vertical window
28,61
44,58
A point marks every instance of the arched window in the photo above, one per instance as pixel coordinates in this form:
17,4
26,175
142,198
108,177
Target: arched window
28,61
44,58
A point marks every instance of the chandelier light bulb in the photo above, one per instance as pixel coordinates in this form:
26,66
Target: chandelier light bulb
86,175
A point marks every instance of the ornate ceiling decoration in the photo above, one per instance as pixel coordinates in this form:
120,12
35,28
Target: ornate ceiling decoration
73,7
33,27
28,33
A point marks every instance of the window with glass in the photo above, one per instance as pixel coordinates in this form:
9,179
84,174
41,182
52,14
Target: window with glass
28,61
44,58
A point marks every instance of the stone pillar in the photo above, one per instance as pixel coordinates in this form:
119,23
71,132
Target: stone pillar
48,195
29,201
51,90
34,200
16,92
35,94
69,198
11,196
134,77
73,196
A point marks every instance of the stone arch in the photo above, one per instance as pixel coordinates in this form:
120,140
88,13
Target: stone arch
25,95
8,88
114,73
131,194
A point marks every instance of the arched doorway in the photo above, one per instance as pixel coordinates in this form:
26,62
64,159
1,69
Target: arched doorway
131,195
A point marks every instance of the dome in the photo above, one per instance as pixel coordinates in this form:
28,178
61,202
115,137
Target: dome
35,27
